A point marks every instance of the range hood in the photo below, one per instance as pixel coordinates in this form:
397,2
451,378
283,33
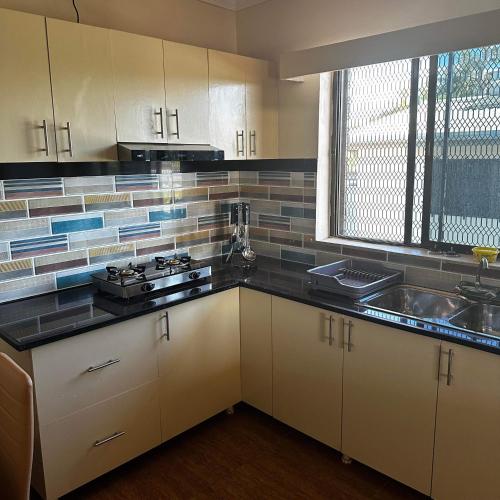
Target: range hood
142,151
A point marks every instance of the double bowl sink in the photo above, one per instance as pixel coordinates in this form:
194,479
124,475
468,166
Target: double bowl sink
436,307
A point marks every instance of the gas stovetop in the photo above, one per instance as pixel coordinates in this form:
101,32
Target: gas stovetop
163,273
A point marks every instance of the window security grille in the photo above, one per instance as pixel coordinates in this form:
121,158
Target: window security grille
417,150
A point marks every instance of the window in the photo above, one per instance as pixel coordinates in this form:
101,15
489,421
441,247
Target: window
417,151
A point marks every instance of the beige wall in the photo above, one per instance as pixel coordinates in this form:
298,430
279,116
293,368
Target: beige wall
187,21
278,26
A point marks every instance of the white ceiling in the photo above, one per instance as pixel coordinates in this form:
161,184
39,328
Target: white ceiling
234,4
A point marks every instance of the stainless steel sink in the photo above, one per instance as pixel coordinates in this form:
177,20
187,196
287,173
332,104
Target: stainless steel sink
417,302
484,318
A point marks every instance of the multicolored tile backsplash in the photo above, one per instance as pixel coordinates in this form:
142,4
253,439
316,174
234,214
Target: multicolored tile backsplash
55,233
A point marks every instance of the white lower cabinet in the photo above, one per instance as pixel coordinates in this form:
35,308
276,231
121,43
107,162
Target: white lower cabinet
467,450
87,444
307,370
105,397
256,350
389,404
368,390
199,359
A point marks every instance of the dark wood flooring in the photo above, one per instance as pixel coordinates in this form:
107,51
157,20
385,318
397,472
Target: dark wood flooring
247,455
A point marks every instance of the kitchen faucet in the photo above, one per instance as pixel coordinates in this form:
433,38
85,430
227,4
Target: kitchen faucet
477,291
483,264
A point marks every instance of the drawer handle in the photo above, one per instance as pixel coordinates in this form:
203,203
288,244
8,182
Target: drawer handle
108,439
103,365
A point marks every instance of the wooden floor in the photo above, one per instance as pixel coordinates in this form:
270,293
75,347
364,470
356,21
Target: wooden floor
244,456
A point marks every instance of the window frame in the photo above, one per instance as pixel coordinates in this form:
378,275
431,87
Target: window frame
338,141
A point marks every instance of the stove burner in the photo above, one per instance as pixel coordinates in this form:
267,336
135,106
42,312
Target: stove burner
116,273
163,262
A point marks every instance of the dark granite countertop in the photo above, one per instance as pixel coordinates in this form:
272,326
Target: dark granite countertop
33,322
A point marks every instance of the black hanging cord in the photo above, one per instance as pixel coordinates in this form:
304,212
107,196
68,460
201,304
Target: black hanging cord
76,10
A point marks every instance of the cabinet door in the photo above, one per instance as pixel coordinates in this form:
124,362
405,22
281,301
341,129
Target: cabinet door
186,87
227,103
256,349
307,370
82,84
467,451
25,94
199,361
390,387
139,87
261,110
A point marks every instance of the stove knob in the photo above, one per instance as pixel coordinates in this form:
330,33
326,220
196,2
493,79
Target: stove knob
194,275
148,287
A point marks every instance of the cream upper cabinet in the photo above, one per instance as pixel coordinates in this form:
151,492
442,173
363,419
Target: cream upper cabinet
82,84
227,103
261,109
199,360
389,404
186,88
26,120
256,349
467,449
307,370
243,106
139,87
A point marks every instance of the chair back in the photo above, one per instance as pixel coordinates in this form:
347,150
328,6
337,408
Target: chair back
16,430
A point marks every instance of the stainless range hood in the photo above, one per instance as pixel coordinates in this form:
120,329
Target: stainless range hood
142,151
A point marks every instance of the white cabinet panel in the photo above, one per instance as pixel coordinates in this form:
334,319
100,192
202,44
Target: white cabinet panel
256,349
199,361
227,104
139,87
82,84
186,87
307,370
89,443
389,404
25,93
467,451
119,357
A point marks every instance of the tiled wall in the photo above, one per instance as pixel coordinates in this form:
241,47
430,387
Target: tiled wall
283,210
54,233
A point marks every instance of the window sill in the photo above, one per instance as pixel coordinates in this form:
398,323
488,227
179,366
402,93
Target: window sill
419,257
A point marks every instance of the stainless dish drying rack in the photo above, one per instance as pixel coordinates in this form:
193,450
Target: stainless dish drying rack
353,278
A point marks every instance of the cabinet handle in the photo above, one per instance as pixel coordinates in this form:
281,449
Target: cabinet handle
100,442
161,133
439,360
166,334
45,137
253,138
349,333
238,150
330,330
176,133
70,142
103,365
449,375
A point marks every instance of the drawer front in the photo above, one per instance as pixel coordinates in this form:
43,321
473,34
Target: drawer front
73,374
89,443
